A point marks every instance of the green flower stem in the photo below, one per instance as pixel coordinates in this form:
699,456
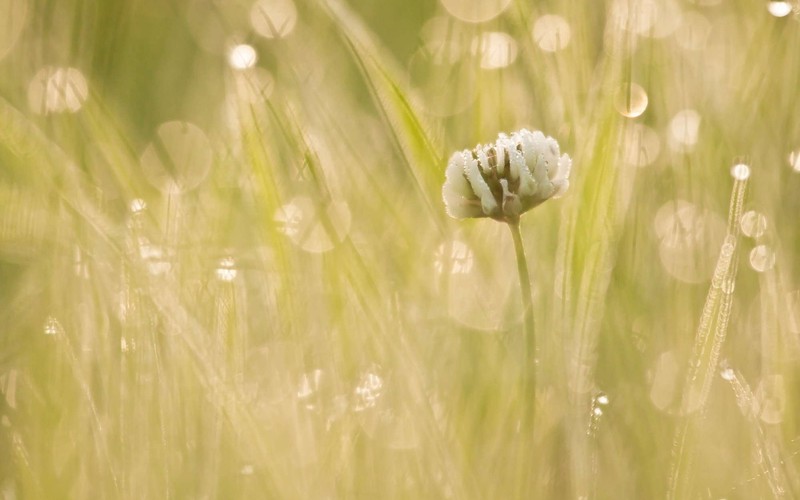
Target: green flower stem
529,357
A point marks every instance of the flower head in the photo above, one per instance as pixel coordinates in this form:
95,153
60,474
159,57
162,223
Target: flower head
505,179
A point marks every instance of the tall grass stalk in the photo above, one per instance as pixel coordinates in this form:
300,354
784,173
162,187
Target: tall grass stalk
705,355
529,357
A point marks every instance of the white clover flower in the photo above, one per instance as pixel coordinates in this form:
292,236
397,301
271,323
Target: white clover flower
505,179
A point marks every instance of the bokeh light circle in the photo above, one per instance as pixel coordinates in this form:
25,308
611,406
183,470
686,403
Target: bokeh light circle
475,11
178,159
551,33
631,100
57,90
273,18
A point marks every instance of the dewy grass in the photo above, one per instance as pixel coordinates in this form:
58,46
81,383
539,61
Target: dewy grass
302,320
705,354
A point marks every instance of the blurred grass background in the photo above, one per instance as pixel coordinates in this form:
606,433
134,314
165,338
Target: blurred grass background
226,270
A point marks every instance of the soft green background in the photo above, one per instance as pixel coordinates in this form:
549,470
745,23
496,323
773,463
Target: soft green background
133,363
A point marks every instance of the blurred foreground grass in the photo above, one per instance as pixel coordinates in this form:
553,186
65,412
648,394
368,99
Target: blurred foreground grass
226,270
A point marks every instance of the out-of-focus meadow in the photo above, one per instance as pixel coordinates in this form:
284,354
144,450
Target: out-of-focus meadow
226,269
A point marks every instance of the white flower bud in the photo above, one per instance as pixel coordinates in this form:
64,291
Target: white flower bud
505,179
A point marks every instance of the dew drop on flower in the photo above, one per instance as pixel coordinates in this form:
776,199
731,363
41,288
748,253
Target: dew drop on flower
475,11
684,128
753,224
494,49
762,258
631,100
242,56
273,18
226,270
779,9
57,90
551,33
740,171
642,145
52,326
12,21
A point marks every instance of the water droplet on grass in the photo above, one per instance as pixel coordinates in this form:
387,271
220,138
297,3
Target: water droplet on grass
242,56
753,224
762,258
52,326
631,100
226,270
138,205
779,9
740,171
727,374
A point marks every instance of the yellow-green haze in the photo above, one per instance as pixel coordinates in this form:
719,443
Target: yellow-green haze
226,269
